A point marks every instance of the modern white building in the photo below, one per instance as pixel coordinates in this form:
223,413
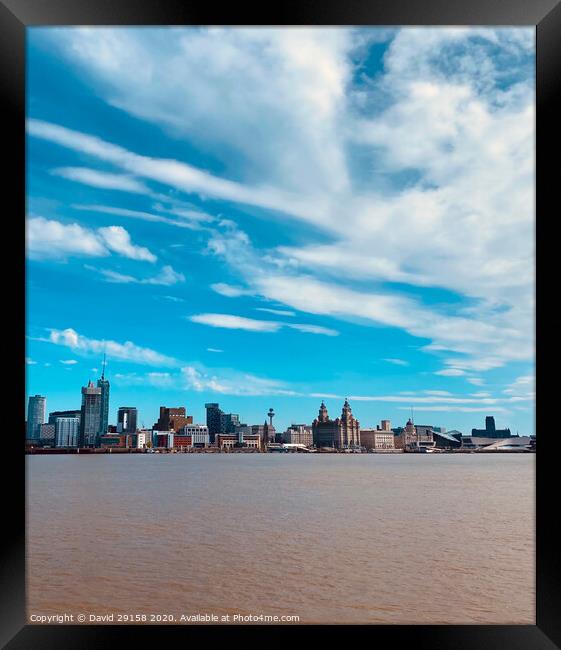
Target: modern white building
199,433
66,432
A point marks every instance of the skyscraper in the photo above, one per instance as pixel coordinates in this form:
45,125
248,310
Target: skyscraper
104,385
35,416
90,416
126,419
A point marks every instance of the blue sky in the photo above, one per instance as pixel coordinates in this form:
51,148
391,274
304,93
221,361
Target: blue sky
265,217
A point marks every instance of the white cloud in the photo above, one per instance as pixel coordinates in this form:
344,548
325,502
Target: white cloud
142,216
50,239
68,362
313,329
214,350
230,321
166,277
228,290
101,179
30,362
450,372
126,351
118,240
443,112
232,383
278,312
397,362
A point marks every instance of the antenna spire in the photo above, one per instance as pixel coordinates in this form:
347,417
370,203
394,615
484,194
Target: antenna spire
103,367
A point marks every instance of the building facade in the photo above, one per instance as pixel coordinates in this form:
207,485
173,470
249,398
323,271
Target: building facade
90,416
53,415
341,433
172,419
126,419
36,409
67,431
199,434
299,434
376,439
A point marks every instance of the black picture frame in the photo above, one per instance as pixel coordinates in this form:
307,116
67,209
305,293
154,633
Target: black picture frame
15,16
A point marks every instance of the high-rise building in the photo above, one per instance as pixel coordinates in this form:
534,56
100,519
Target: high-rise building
67,431
126,419
35,416
219,422
90,416
341,433
172,419
213,419
104,407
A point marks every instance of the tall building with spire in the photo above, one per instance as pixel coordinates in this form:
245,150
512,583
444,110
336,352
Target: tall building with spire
90,416
341,433
103,384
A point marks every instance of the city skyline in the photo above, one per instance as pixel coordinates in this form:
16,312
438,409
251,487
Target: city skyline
264,229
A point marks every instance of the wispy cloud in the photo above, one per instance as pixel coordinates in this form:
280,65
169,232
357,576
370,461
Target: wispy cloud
397,362
166,277
101,179
230,321
126,351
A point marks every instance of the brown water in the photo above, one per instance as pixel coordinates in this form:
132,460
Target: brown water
329,538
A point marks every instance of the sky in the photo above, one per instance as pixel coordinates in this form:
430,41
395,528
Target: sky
269,217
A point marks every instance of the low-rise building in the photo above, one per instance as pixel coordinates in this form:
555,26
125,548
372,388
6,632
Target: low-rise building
299,434
372,439
198,432
112,440
224,440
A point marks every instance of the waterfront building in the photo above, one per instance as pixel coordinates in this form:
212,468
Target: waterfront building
251,440
35,416
67,431
142,438
172,419
113,440
412,440
198,433
385,425
162,439
376,439
47,434
450,440
180,441
126,419
490,431
53,415
224,440
299,434
90,416
341,433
